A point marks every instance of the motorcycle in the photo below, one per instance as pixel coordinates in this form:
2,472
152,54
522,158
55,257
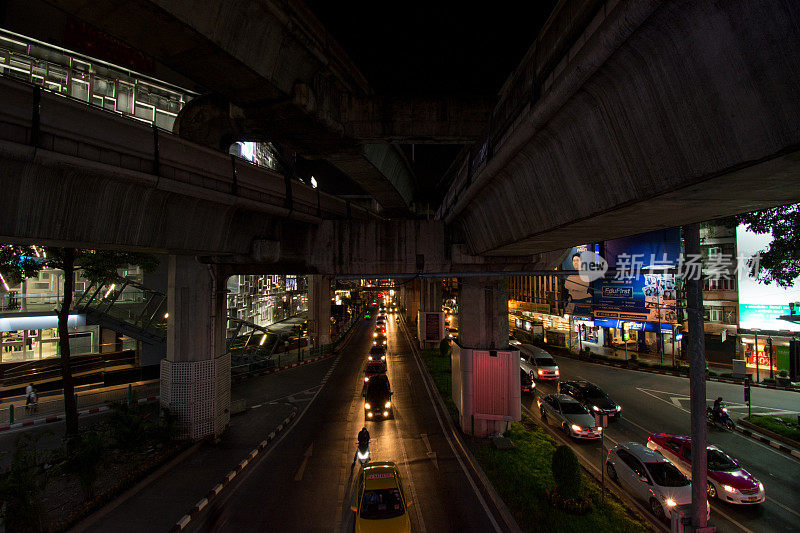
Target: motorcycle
725,421
362,453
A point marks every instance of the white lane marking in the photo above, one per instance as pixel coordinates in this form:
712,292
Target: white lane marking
431,453
299,475
455,453
783,506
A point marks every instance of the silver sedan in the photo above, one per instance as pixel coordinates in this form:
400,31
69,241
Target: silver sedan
565,412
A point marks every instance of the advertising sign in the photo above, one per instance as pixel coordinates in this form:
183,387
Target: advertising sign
642,290
577,293
761,305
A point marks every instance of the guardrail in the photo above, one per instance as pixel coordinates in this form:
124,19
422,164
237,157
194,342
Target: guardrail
85,400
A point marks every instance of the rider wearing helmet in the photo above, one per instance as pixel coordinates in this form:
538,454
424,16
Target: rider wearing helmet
363,436
718,408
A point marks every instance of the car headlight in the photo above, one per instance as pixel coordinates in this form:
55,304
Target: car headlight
367,406
576,427
728,488
387,405
375,334
540,372
369,357
619,408
556,372
369,414
383,358
670,502
760,486
595,408
366,379
386,413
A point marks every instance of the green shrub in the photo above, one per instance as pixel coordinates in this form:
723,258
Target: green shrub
567,472
444,347
22,486
84,455
633,358
783,374
127,425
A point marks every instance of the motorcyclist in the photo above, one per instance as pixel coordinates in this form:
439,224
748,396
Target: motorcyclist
717,410
363,441
363,437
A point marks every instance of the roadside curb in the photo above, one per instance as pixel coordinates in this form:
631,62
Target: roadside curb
59,418
676,374
245,377
181,524
755,434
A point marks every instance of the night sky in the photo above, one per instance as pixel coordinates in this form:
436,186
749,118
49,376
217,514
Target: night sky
418,48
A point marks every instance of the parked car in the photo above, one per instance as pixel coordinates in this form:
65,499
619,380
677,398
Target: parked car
591,397
650,477
727,481
565,412
539,364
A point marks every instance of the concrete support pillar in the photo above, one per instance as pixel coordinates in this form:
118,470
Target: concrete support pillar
196,374
319,309
483,313
412,300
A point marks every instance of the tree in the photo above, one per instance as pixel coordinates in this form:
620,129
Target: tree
20,262
781,261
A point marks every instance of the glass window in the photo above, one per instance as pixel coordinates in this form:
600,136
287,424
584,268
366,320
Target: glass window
719,461
665,474
573,408
382,504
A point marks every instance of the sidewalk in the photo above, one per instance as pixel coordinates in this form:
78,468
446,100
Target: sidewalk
649,358
160,504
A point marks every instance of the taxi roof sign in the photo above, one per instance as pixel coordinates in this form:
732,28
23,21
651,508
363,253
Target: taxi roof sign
384,475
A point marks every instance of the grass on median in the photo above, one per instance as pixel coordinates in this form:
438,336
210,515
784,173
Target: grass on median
782,425
522,475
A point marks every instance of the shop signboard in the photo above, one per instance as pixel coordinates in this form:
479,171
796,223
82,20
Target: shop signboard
642,290
761,305
577,293
632,325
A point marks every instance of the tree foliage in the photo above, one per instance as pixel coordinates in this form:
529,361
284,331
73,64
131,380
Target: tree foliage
567,472
780,262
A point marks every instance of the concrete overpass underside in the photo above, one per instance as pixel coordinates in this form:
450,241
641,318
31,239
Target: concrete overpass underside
670,113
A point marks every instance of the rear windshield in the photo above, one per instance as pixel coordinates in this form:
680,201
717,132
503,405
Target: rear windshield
545,361
381,504
666,475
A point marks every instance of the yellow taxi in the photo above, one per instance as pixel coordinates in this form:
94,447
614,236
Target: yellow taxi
381,504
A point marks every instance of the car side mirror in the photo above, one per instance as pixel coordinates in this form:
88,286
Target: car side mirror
354,508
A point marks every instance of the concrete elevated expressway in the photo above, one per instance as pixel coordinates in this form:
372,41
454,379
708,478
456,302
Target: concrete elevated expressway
659,114
270,71
654,114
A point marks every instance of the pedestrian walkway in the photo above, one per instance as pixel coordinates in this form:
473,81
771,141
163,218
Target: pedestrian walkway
162,503
650,358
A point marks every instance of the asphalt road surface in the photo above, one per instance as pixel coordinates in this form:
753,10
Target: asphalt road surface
306,482
654,403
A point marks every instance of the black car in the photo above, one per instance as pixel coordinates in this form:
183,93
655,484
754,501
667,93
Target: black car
592,397
526,383
377,353
378,398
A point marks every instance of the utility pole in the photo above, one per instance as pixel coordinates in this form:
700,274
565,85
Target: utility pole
697,382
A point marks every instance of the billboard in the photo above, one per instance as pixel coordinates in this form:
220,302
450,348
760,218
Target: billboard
761,305
633,294
577,293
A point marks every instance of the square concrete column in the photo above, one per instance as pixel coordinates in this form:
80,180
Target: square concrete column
483,313
196,374
319,309
411,300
